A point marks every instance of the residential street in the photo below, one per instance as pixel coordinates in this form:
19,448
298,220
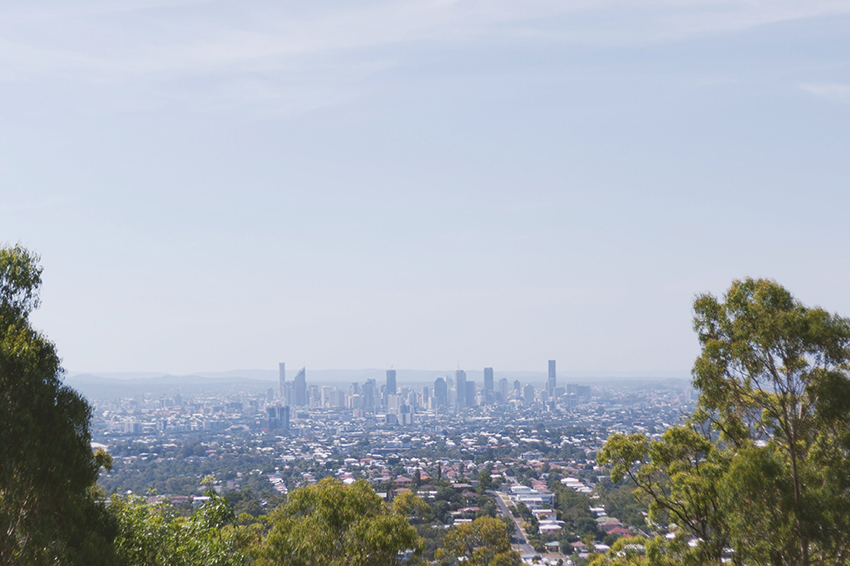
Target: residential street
518,539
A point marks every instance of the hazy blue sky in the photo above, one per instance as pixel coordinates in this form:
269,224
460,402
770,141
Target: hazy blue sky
218,185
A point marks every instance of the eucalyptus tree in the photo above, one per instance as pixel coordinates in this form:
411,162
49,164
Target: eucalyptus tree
483,542
49,509
152,534
341,525
763,465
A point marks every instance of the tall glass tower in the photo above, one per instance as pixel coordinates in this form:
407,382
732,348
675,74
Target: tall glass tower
460,388
488,386
391,384
301,388
550,383
441,392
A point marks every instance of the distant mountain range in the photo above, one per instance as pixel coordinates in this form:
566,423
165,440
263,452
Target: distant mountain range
98,387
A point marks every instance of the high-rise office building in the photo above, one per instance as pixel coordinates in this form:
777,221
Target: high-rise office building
470,393
288,387
393,403
355,401
270,422
276,418
578,390
301,388
460,388
281,367
550,383
489,393
528,394
391,383
370,392
441,392
503,389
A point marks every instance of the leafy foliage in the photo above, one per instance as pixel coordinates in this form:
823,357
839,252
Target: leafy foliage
151,534
330,523
574,510
763,466
619,501
48,502
483,542
638,551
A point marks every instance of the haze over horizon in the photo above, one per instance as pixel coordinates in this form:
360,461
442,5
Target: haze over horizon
402,373
220,184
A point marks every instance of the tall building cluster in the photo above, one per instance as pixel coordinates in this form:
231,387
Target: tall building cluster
400,404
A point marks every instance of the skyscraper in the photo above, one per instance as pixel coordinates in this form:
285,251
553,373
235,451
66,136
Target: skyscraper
441,392
528,394
503,389
370,391
460,388
301,388
550,383
470,393
277,417
488,386
287,393
390,390
282,377
283,416
271,421
391,384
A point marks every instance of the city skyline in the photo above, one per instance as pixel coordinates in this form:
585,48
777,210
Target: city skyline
401,403
405,373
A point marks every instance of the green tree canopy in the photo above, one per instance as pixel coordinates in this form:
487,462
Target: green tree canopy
485,481
483,542
763,466
408,504
48,508
150,534
337,525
